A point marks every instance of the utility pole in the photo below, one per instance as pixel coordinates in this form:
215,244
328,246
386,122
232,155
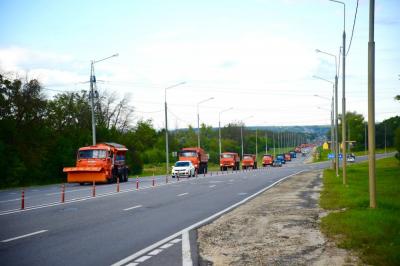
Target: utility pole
94,94
273,142
256,145
241,138
371,107
266,142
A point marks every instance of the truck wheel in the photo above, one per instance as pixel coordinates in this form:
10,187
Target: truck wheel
81,183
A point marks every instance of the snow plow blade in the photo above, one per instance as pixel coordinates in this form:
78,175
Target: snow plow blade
85,174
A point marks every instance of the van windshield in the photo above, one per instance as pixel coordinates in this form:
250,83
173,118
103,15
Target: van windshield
92,154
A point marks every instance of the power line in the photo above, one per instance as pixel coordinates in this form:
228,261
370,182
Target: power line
352,31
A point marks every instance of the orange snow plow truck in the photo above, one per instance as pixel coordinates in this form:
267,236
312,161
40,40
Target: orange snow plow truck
249,161
104,162
197,156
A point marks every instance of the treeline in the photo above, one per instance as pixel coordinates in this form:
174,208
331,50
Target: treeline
387,132
39,136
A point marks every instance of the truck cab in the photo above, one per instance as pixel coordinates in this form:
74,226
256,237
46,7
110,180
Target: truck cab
229,160
104,162
267,159
197,156
249,161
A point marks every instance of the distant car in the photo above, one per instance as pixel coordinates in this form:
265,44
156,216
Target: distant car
277,163
183,168
281,157
351,158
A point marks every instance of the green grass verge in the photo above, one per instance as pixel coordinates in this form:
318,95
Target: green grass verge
373,233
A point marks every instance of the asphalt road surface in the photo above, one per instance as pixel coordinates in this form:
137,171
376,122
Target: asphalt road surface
145,226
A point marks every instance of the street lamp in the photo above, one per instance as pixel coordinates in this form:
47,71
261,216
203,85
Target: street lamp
198,119
334,125
91,95
219,128
336,109
166,123
241,132
343,92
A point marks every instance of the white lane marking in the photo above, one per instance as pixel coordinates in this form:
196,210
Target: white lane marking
166,245
186,257
155,252
23,236
196,225
216,181
231,180
242,193
134,207
132,264
183,194
143,258
176,240
212,185
3,201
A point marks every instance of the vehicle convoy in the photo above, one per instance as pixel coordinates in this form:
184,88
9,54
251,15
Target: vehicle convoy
267,159
229,160
197,156
104,162
249,161
183,168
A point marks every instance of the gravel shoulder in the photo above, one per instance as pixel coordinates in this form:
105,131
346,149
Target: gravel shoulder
279,227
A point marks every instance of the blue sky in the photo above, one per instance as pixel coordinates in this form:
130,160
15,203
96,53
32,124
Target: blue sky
257,56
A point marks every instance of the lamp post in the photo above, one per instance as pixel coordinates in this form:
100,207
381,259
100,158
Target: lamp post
241,132
198,120
335,164
336,111
166,124
343,92
219,128
371,107
92,82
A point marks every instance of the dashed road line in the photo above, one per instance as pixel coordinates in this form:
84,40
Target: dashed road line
134,207
182,194
155,252
23,236
142,259
212,186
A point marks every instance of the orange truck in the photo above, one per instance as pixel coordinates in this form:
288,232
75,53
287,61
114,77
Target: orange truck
288,158
104,162
197,156
229,160
267,159
249,161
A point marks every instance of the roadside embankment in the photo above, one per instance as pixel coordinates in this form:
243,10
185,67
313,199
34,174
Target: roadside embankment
279,227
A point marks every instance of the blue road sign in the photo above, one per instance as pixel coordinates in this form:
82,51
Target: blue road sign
331,155
340,156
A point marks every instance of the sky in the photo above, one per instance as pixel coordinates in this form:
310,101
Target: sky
255,56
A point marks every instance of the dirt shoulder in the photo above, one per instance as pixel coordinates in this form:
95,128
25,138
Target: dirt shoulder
279,227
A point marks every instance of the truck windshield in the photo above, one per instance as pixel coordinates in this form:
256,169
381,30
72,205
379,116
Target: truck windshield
247,158
188,154
181,164
226,155
92,154
267,156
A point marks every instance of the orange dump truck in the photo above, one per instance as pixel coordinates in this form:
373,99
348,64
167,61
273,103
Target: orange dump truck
267,159
197,156
229,160
104,162
288,158
249,161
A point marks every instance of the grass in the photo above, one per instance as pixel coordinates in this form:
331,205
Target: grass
373,233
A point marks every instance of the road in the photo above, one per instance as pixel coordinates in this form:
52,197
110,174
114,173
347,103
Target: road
133,226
